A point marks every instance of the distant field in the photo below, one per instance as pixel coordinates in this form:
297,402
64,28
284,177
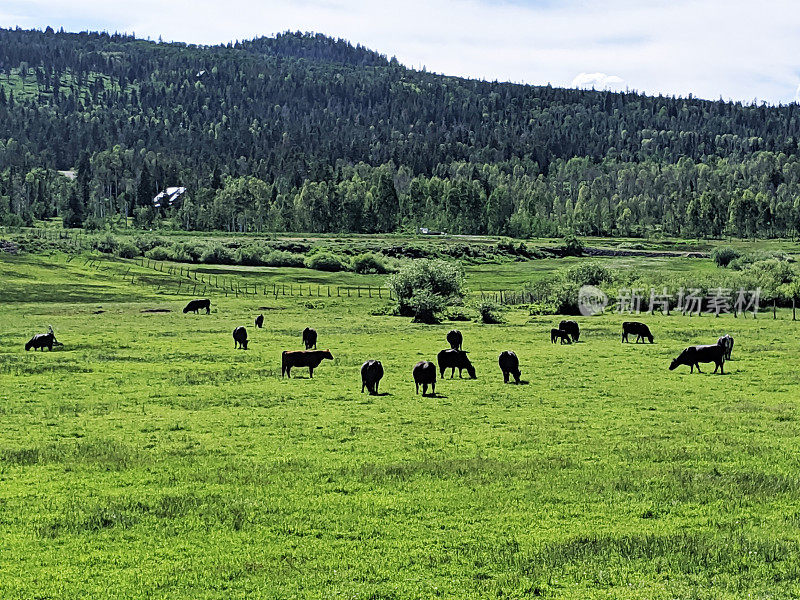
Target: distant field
148,458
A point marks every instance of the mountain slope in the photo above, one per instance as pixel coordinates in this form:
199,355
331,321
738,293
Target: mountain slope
303,109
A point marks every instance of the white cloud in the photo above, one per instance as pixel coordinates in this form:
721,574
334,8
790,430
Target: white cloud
598,81
797,94
710,48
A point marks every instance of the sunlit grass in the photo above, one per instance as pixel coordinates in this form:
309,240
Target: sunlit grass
149,458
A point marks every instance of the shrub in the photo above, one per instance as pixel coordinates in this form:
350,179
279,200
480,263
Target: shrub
180,253
588,274
368,263
324,261
572,246
771,274
148,242
107,244
127,249
217,254
438,277
489,311
192,250
249,255
723,256
158,253
281,258
555,296
427,306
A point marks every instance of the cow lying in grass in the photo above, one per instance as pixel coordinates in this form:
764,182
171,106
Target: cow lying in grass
559,334
694,355
197,305
302,358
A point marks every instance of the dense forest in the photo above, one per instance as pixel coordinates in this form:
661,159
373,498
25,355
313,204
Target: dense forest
304,132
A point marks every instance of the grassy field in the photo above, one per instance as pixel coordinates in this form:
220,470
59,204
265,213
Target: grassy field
147,458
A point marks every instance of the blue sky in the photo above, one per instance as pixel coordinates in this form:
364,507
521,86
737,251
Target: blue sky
734,49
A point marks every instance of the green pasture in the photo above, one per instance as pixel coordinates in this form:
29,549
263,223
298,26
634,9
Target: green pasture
147,458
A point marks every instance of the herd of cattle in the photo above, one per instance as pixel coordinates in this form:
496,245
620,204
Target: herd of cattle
424,372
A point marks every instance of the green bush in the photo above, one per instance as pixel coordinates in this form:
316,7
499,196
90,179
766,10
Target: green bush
368,263
282,258
249,255
555,296
438,277
324,261
127,249
724,256
107,244
158,253
589,274
180,253
427,306
572,246
489,311
148,242
192,250
217,254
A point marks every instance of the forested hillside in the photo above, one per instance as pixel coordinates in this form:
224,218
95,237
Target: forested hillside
307,133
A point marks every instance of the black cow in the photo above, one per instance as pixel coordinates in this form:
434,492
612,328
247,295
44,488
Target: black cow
197,305
694,355
310,338
572,328
302,358
455,359
240,338
640,330
40,341
260,321
559,334
371,375
509,365
455,339
726,341
425,375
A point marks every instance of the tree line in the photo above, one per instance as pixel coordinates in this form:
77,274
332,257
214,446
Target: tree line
304,132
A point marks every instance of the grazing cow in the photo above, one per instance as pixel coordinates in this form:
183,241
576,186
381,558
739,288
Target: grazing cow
197,305
260,321
371,375
425,375
572,328
455,359
559,334
455,339
726,341
694,355
302,358
640,330
41,341
509,365
240,338
310,338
